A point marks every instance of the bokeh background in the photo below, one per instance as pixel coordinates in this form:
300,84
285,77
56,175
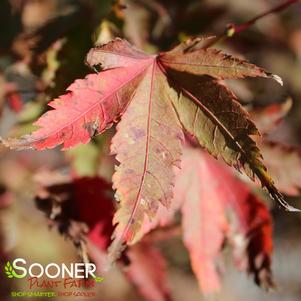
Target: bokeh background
43,44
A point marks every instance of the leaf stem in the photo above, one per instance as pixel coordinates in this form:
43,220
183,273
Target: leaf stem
233,29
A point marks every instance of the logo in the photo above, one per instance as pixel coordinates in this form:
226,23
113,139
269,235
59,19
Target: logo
55,276
19,269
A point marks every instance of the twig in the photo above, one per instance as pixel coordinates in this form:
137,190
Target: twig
233,29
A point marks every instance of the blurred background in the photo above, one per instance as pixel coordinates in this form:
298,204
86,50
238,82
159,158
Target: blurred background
43,44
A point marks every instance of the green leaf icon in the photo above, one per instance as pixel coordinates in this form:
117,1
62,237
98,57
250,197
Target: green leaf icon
8,269
98,279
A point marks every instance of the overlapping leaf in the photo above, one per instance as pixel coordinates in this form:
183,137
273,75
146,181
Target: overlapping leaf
147,271
204,223
218,207
82,210
157,96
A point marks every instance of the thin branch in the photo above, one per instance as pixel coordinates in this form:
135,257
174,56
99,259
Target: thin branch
233,29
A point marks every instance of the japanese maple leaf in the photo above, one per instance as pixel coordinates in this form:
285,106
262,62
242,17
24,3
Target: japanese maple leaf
217,207
157,97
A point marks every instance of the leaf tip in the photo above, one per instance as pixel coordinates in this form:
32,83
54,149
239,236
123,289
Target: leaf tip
276,195
291,208
277,78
